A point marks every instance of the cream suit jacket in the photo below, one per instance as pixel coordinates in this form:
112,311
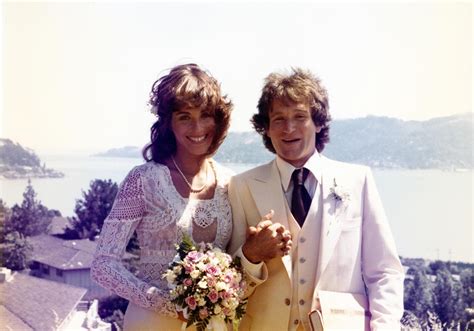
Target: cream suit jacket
357,252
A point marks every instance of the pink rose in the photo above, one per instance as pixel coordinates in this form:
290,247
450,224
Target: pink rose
227,311
228,277
188,282
213,296
211,281
224,295
203,313
188,268
191,302
194,256
212,270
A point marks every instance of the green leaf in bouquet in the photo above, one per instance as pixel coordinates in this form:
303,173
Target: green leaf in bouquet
240,310
202,324
236,262
185,246
192,319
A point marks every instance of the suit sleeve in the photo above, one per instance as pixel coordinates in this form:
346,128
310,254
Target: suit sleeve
382,271
257,274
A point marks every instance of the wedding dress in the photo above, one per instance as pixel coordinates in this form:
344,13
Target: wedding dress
148,203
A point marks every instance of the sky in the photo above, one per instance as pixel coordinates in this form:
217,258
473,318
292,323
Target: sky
76,76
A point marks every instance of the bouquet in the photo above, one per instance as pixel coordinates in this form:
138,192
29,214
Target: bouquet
206,285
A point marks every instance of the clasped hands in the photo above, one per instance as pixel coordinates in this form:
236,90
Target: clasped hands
266,240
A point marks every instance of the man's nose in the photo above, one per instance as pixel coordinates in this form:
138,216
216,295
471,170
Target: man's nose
288,126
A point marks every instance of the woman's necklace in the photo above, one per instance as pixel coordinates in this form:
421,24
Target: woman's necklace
186,180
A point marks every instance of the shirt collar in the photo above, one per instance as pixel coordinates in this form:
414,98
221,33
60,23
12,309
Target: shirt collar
314,165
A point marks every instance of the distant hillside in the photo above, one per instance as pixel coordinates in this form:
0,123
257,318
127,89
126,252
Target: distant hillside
442,143
380,142
19,162
127,151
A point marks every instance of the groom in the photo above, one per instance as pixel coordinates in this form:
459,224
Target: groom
340,237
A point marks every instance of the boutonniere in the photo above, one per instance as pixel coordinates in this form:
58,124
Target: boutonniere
338,193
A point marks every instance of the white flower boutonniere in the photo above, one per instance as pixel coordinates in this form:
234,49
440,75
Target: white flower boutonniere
339,194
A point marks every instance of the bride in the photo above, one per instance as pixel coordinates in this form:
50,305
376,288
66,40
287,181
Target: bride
180,190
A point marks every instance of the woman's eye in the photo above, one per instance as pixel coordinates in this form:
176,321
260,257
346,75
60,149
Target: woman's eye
184,117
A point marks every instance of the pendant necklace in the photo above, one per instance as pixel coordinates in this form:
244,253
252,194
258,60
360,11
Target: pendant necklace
186,180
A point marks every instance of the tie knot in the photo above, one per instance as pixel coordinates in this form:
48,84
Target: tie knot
299,176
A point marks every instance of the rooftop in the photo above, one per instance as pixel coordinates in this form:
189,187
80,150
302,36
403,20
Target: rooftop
28,302
63,254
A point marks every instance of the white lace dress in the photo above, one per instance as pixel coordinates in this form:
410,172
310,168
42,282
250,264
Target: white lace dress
148,203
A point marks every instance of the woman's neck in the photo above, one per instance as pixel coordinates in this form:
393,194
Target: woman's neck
190,165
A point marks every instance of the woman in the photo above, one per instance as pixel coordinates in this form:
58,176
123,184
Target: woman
180,190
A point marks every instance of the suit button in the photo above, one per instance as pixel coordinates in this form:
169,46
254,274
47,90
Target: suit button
302,281
302,239
287,301
252,284
296,322
301,302
302,260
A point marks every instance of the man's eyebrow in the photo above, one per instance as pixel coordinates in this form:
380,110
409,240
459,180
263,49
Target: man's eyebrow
181,112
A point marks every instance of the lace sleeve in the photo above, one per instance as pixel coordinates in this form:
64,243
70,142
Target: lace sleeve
107,268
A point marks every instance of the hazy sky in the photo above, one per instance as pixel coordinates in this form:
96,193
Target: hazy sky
76,76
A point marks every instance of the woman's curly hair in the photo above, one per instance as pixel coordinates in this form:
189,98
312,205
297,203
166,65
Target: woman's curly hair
298,86
185,85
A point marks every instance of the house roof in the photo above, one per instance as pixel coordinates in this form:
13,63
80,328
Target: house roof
58,225
37,303
11,321
64,254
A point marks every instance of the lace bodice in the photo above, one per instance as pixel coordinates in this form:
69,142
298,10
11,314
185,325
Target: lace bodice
147,202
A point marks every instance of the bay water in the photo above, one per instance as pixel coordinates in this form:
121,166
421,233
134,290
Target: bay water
430,211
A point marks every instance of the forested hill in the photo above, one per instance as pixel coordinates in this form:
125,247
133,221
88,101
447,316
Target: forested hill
19,162
380,142
443,143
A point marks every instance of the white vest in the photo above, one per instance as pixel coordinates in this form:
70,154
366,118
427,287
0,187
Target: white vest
304,262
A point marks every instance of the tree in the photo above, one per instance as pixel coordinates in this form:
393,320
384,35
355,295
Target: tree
92,209
4,215
435,266
32,217
419,294
15,251
449,305
112,310
467,283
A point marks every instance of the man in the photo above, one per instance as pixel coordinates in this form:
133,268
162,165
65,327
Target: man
340,238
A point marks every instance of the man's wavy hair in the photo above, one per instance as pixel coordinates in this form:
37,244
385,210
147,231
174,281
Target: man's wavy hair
185,85
298,86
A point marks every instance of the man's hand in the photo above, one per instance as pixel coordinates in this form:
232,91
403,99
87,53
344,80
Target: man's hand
266,240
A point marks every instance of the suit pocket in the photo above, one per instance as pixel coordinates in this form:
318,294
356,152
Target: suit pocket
351,224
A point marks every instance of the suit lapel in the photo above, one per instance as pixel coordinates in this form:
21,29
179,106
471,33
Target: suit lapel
267,193
331,220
